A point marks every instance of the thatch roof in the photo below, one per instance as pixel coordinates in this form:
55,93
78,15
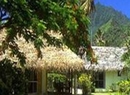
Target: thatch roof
57,59
108,58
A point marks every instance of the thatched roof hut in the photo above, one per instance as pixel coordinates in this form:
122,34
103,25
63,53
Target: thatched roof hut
108,58
57,59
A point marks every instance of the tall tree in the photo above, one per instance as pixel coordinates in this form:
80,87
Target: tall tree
99,38
32,19
126,55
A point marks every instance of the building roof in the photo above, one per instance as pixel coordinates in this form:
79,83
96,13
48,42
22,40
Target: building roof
108,58
63,59
54,58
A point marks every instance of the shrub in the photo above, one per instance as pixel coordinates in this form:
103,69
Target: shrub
113,87
56,81
12,79
85,81
124,86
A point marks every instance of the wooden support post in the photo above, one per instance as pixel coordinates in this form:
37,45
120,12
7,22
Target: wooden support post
39,82
44,82
75,84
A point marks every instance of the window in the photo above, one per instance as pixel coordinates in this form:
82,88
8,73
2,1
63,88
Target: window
118,73
99,79
32,85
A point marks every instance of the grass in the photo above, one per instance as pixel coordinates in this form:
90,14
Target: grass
109,93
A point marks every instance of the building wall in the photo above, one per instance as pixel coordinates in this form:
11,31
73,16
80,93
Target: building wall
111,78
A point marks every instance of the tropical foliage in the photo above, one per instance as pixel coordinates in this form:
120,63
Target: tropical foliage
112,25
12,79
55,80
86,83
33,20
126,56
124,87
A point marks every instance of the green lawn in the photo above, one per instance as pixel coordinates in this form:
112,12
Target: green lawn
109,93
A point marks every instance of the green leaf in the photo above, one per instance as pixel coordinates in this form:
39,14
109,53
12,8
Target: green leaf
5,1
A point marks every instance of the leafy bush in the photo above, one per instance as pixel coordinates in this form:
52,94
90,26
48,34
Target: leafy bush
124,86
85,81
12,79
55,81
113,87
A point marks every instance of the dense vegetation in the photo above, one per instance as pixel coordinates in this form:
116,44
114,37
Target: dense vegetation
110,28
33,20
113,25
12,79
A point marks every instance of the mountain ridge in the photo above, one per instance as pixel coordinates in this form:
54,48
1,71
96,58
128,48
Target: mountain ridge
103,14
109,24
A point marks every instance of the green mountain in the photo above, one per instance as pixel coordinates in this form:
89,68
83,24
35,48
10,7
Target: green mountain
108,26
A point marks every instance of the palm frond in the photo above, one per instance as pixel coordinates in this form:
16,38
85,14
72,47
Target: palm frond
88,6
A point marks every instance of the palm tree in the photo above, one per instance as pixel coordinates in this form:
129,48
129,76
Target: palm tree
88,6
99,38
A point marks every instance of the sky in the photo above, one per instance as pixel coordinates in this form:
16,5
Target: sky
120,5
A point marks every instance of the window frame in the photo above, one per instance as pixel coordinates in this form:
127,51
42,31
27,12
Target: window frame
32,82
99,82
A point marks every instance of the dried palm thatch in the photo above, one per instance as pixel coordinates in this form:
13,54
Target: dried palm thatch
57,59
108,58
